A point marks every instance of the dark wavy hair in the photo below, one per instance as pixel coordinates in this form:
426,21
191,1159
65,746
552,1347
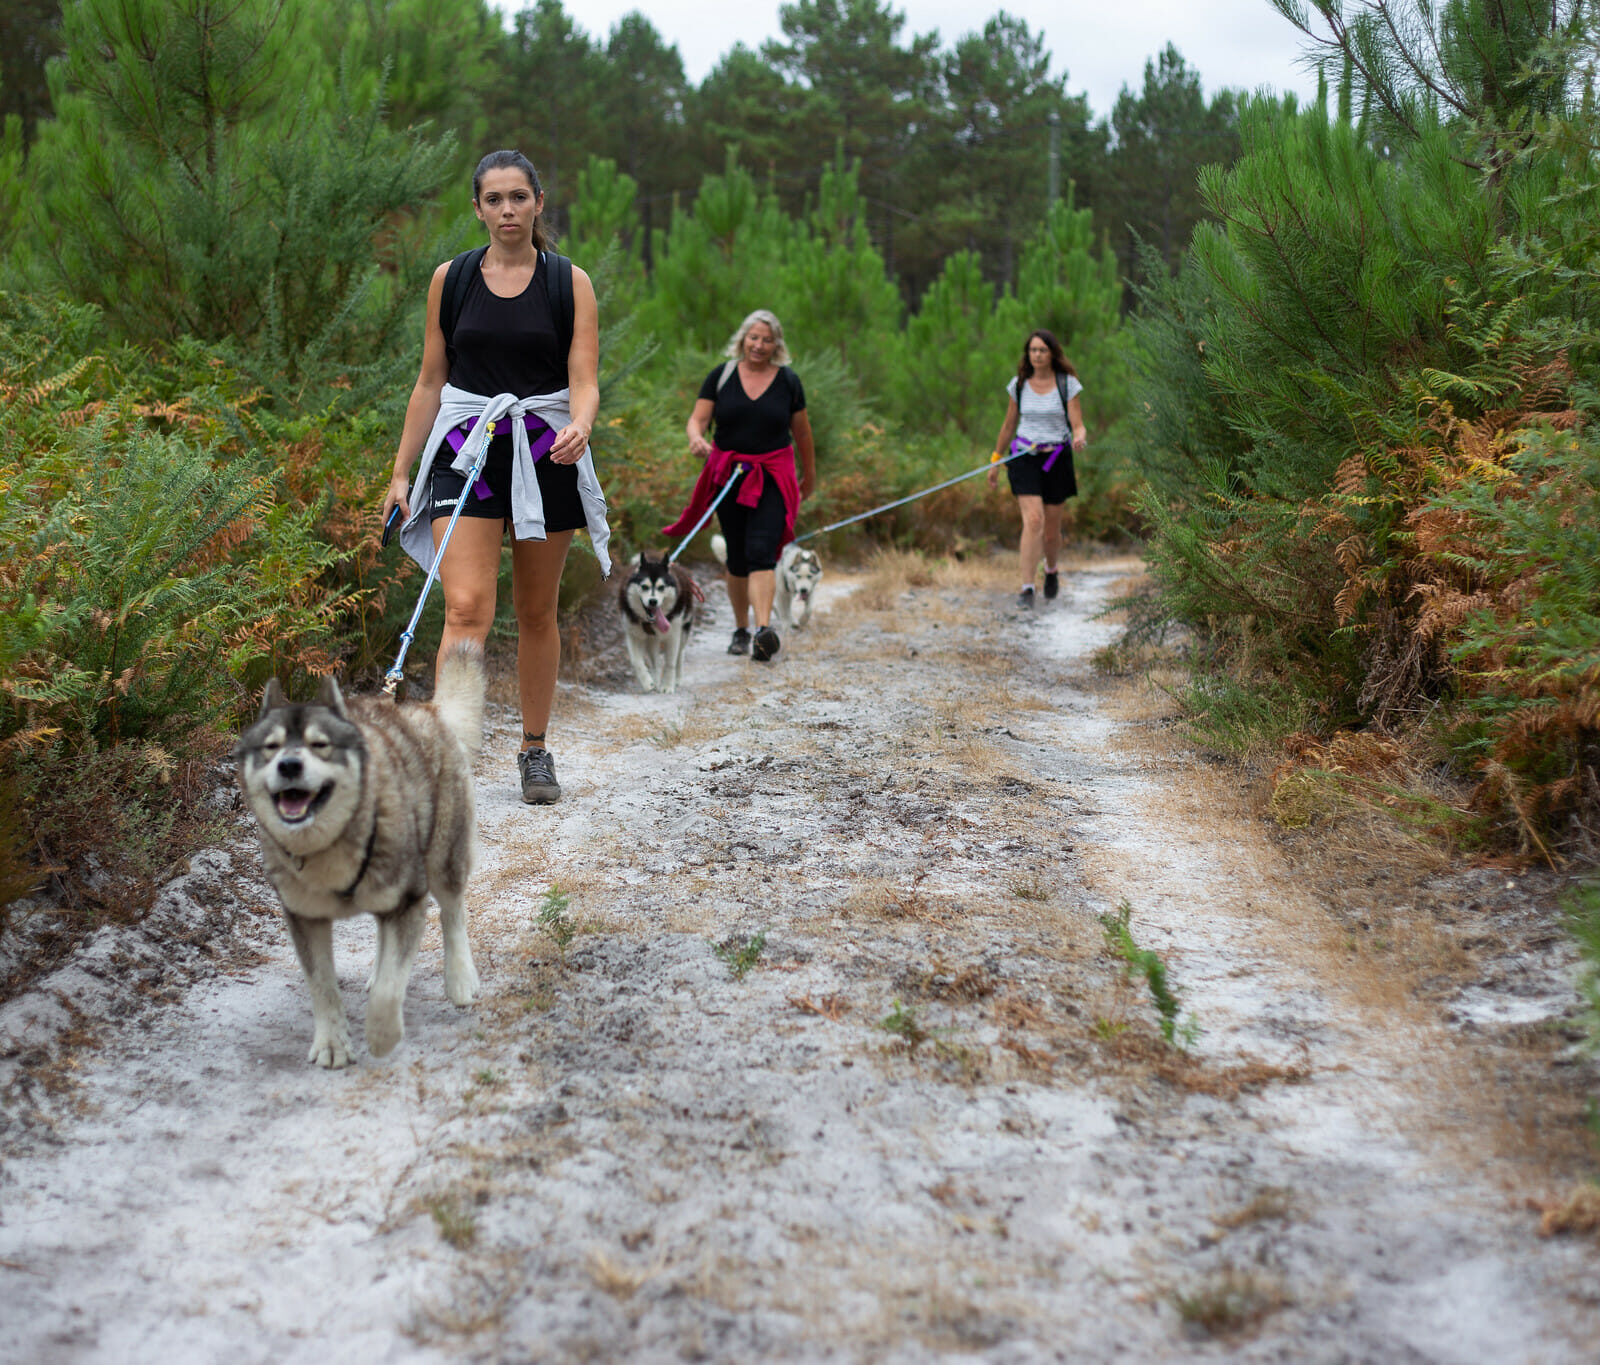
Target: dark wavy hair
514,160
1058,362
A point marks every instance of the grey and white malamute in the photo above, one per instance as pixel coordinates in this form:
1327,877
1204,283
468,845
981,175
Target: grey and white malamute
364,807
657,603
799,573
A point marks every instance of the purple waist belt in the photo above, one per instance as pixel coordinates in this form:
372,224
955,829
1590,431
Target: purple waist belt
541,436
1019,447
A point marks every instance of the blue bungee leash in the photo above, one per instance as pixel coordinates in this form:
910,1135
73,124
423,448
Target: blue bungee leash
684,543
392,679
901,502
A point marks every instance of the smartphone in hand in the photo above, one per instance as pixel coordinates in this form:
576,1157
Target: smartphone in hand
391,526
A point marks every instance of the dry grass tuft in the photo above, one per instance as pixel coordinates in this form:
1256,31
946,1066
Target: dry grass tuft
1268,1204
830,1007
616,1279
1230,1301
1578,1213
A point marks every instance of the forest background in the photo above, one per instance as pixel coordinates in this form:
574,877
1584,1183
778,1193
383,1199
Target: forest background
1338,361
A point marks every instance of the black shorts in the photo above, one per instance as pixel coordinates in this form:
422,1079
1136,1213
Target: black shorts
1028,478
558,485
754,534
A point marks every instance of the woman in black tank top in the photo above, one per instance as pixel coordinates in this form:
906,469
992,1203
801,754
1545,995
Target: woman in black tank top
506,340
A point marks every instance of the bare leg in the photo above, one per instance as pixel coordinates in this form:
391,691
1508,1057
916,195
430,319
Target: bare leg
1032,508
313,945
763,587
468,574
739,600
399,933
1052,535
536,592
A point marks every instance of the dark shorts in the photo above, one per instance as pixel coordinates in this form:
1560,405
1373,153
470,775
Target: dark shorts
558,485
1028,478
754,534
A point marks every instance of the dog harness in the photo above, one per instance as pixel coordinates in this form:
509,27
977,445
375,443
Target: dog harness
719,468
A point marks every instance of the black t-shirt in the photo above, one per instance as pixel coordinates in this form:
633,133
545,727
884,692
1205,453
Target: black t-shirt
508,345
753,428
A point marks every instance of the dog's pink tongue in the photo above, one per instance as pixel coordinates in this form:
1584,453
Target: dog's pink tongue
293,805
662,624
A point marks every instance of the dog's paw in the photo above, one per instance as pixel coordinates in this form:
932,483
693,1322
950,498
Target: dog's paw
461,983
330,1050
386,1026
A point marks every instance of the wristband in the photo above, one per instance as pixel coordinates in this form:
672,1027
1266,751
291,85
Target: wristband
995,458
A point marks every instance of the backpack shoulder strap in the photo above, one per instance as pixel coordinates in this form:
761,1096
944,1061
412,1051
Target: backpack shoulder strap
1061,388
727,374
559,283
457,280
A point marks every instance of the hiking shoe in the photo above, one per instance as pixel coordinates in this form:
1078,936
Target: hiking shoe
740,644
1025,598
538,770
765,645
1052,584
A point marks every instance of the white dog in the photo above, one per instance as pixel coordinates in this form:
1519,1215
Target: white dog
799,572
657,604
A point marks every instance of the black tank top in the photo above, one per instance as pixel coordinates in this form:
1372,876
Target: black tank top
508,345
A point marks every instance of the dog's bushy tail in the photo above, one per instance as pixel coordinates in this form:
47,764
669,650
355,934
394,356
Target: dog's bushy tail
719,547
459,697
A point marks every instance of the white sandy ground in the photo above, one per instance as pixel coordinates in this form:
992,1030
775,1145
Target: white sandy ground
634,1155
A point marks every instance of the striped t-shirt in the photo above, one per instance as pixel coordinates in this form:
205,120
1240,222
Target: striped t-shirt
1042,419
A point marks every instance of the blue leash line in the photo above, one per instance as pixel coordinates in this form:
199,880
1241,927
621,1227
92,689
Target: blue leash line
684,543
393,678
901,502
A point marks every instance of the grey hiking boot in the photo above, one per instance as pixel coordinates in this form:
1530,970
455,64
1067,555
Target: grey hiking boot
740,644
1025,598
765,645
538,770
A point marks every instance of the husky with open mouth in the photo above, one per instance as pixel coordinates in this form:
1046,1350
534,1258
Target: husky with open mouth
657,603
799,573
363,807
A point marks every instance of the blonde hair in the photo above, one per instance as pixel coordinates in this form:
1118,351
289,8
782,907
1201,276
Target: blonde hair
735,347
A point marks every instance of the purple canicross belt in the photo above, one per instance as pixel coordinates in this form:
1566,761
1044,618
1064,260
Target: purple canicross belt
1018,447
541,436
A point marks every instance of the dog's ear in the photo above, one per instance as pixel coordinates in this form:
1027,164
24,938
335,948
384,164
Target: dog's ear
329,695
272,698
637,560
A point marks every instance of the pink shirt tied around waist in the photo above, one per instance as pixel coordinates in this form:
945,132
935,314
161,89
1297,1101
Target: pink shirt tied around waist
718,469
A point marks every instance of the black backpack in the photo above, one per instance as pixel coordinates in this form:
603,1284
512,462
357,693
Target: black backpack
558,276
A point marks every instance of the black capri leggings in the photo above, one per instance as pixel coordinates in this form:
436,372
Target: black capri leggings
753,533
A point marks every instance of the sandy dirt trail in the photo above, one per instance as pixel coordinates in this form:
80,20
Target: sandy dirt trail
932,1121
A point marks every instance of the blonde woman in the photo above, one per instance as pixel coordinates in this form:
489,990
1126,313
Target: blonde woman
757,407
1042,427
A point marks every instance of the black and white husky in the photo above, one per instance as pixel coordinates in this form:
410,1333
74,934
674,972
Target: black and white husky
799,572
657,604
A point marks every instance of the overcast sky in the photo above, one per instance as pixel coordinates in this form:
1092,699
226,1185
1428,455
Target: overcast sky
1102,47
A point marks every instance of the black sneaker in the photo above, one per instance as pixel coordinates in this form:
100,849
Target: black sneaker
1025,598
765,644
538,770
740,644
1052,584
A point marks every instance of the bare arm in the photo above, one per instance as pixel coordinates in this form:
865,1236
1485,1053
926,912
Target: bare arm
1080,437
800,425
699,423
1002,442
424,405
583,373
